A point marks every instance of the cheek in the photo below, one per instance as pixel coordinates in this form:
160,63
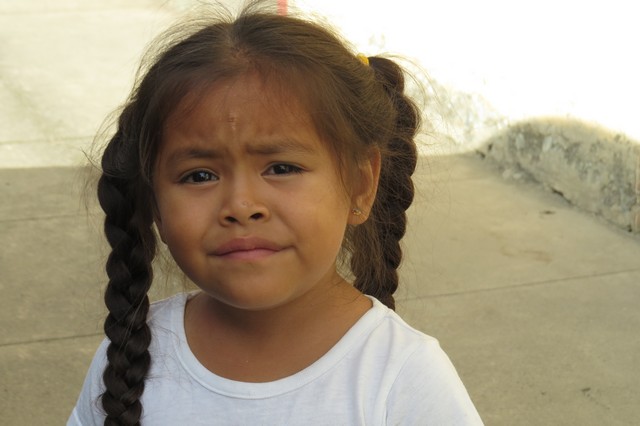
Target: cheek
326,219
328,203
175,223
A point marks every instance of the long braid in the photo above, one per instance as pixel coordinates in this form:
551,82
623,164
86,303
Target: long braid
128,228
379,237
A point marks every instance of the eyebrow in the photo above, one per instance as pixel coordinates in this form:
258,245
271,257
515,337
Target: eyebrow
192,152
264,148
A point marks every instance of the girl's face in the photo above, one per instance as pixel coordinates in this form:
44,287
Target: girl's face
249,200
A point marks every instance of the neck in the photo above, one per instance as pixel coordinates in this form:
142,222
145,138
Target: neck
306,310
265,345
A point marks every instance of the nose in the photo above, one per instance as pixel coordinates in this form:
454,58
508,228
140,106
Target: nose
243,205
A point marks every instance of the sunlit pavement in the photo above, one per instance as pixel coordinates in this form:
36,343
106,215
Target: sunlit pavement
535,301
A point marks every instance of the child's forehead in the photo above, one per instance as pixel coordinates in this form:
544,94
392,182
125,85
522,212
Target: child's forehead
230,97
240,109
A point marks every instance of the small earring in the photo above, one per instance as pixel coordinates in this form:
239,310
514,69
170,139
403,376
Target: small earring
356,211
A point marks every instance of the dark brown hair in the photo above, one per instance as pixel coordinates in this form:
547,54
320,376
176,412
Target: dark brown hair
354,106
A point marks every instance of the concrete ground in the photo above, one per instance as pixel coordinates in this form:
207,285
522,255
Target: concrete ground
535,302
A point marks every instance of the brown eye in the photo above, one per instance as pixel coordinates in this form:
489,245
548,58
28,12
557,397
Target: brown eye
199,176
283,169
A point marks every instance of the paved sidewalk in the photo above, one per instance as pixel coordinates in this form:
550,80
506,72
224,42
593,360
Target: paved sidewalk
535,302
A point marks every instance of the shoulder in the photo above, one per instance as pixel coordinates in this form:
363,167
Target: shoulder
428,387
398,338
424,384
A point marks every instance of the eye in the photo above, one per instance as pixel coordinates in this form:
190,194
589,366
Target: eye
199,176
283,169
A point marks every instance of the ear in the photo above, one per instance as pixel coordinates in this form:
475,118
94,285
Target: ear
364,192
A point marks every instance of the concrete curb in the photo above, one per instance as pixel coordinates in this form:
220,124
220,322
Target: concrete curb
593,168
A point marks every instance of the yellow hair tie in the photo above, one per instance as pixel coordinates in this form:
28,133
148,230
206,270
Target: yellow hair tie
363,59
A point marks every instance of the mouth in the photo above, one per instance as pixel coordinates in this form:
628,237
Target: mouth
247,249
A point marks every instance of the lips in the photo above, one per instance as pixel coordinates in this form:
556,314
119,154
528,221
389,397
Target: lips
246,248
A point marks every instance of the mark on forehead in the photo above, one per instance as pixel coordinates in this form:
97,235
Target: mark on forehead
232,119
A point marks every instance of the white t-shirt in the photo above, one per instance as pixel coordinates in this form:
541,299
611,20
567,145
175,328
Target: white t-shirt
382,372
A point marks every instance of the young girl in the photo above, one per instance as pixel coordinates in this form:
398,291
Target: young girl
269,159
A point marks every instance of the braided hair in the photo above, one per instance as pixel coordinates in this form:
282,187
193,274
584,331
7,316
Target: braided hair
355,108
375,245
